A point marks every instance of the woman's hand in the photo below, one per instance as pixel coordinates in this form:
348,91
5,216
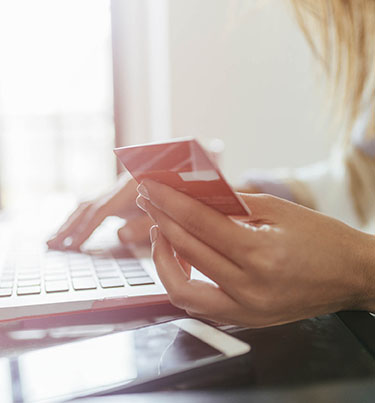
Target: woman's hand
119,202
286,263
89,215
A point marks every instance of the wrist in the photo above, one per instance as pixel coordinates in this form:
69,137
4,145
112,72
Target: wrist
367,265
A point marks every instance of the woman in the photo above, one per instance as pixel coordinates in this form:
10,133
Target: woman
288,262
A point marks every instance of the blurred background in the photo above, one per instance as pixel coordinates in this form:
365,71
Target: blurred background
79,77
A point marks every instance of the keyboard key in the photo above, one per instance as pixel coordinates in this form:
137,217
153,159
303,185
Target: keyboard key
55,277
135,274
111,282
79,258
6,292
126,261
56,266
82,273
80,266
55,271
30,272
7,277
103,263
8,269
52,262
84,283
6,284
23,277
27,268
55,254
130,266
28,283
108,274
140,281
105,269
29,290
56,286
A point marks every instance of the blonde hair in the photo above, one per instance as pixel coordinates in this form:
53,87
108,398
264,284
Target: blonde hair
345,44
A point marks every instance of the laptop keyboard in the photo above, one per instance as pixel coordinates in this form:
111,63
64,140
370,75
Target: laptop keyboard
59,272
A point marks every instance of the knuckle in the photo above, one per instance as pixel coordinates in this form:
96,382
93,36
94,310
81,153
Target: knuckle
275,263
248,256
263,304
270,258
194,225
256,296
260,303
252,258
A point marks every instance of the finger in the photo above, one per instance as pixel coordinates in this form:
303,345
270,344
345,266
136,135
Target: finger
136,229
193,295
93,218
80,228
120,201
203,222
211,263
69,227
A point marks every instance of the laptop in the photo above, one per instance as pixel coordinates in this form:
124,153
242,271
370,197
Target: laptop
35,281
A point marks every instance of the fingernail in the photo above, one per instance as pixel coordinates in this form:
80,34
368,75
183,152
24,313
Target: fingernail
68,242
154,233
141,203
143,191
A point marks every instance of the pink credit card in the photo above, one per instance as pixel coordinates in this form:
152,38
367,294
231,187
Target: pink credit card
184,165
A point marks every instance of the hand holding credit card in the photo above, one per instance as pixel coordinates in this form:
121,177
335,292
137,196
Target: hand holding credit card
184,165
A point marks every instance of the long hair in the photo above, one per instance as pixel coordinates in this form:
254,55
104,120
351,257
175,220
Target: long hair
341,34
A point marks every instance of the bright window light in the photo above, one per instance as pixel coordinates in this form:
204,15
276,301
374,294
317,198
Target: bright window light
56,112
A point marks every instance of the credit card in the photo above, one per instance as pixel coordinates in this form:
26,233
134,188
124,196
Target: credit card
184,165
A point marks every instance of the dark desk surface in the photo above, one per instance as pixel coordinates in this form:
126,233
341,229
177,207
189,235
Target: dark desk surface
336,392
293,358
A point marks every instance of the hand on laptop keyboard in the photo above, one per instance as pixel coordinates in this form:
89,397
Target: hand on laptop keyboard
89,215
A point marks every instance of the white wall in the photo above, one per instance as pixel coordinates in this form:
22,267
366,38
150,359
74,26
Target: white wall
241,71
